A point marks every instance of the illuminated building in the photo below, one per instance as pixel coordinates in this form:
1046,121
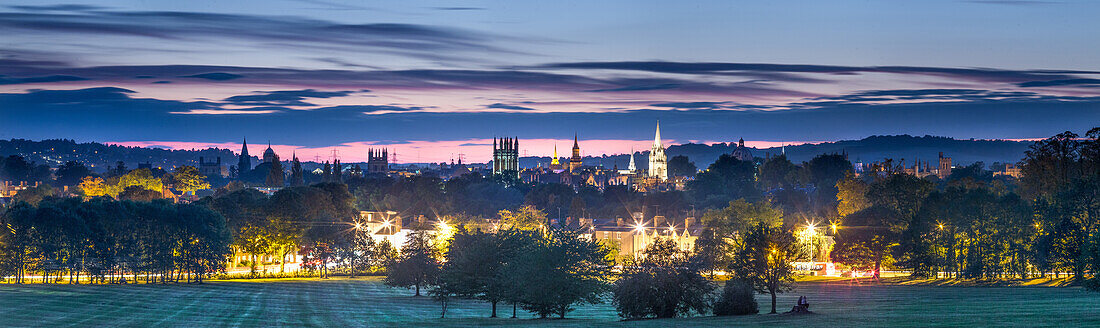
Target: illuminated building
378,161
555,163
658,163
575,161
506,156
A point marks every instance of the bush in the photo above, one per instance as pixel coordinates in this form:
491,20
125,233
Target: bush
738,298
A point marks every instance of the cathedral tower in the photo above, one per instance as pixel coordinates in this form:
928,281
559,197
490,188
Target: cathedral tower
378,161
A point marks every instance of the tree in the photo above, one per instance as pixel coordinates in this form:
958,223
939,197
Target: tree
778,172
71,173
188,179
139,194
1050,164
681,166
472,267
557,270
92,187
525,217
737,299
275,176
36,194
297,177
726,179
824,171
417,265
764,260
664,284
851,195
140,178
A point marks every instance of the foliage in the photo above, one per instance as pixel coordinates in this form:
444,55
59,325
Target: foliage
664,284
556,270
106,239
737,299
142,178
92,187
681,166
764,260
188,179
525,217
417,265
725,180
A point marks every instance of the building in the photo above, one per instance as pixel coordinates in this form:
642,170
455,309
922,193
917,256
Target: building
269,154
211,168
945,167
631,168
658,163
633,237
506,156
378,161
1010,170
555,162
575,161
244,162
742,152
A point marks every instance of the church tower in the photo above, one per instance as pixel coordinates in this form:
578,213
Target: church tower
658,164
378,161
244,163
575,161
506,156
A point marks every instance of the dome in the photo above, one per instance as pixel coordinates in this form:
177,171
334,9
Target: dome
269,155
742,152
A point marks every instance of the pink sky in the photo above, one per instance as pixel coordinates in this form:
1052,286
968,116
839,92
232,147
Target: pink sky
472,150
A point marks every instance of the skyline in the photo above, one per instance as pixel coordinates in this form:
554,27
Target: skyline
441,78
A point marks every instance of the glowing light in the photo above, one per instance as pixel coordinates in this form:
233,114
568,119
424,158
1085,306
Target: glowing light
386,224
639,227
941,226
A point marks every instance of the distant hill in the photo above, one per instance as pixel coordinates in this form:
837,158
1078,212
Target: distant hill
99,157
867,150
875,148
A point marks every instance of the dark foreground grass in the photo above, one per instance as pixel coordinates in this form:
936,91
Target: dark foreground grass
342,302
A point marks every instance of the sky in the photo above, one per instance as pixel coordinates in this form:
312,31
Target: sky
435,79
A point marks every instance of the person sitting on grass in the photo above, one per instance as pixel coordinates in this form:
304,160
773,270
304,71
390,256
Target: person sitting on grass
803,304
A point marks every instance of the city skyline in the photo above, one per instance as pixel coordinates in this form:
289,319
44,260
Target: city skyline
436,79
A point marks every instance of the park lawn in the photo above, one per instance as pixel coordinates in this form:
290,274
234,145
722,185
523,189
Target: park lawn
365,302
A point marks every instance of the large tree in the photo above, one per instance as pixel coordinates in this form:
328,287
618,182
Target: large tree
417,265
764,260
664,284
558,270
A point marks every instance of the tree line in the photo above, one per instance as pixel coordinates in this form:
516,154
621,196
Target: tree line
110,241
973,226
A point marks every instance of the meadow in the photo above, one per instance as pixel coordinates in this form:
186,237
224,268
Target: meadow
365,302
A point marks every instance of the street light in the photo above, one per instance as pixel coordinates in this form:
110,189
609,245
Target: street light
639,227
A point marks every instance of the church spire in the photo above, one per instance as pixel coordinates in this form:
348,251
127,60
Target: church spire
631,167
657,136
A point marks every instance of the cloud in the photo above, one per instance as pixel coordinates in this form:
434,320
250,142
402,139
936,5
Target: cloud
219,76
283,97
507,106
458,8
694,105
718,68
662,86
1058,83
40,79
282,32
61,7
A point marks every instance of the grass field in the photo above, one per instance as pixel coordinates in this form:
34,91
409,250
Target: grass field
365,302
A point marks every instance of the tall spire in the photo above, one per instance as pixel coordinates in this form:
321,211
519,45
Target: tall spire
631,167
657,136
575,141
